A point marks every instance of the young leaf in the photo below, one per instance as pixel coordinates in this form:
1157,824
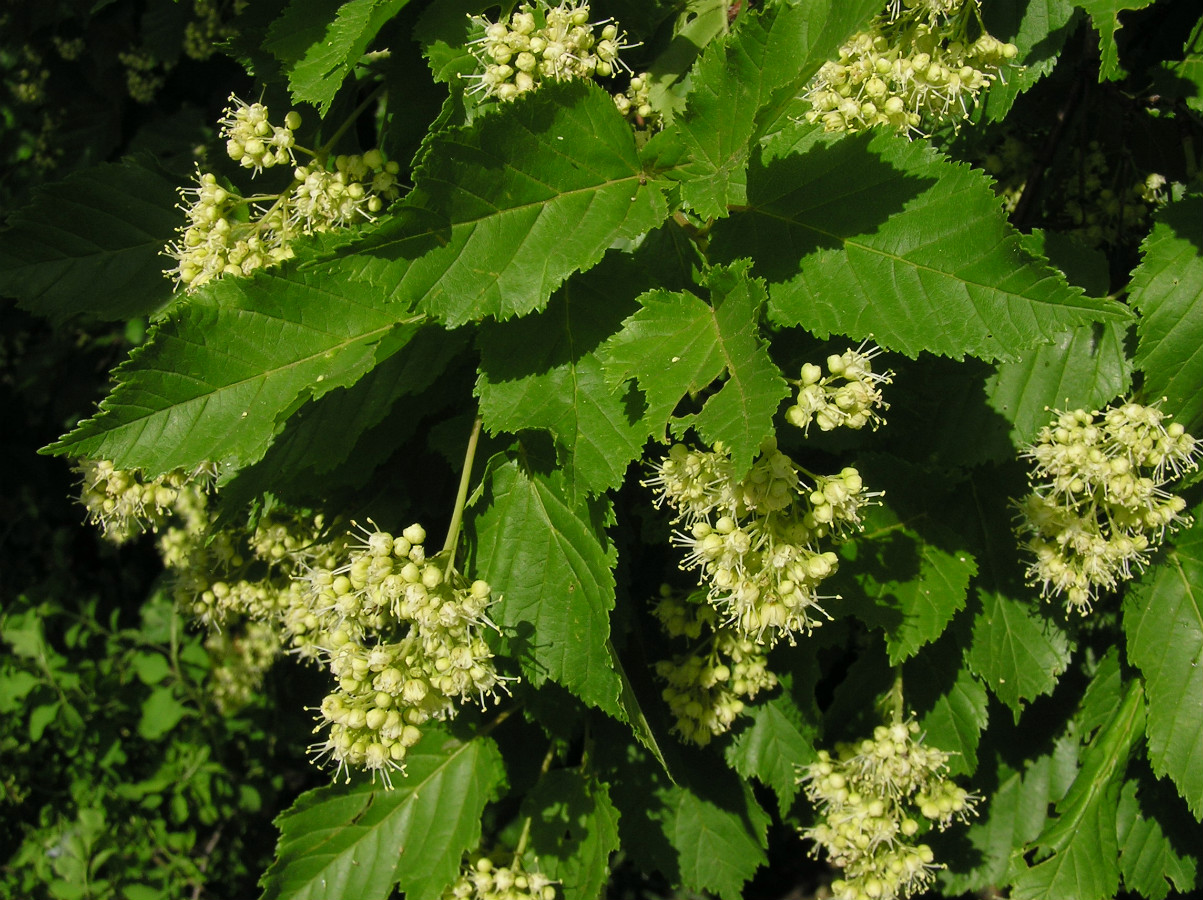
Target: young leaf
778,740
542,371
1083,368
363,840
718,847
1018,653
1163,619
574,829
911,587
1167,289
1104,15
740,86
318,74
527,199
551,567
214,383
678,344
1081,841
92,243
879,236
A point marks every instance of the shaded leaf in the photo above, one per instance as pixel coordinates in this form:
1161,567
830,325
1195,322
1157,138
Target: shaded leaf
778,740
1104,15
542,371
92,244
574,829
1149,862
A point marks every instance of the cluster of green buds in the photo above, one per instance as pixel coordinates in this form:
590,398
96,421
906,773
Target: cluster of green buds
707,686
541,42
124,504
915,68
407,647
1099,505
875,797
755,538
635,103
228,234
484,879
847,397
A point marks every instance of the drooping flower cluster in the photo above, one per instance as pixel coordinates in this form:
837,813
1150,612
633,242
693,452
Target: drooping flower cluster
915,68
848,397
124,504
707,686
407,647
228,234
873,796
483,879
1099,505
755,539
541,42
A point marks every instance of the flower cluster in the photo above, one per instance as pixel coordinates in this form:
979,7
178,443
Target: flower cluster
873,796
484,879
848,397
542,42
124,504
635,103
755,538
1106,204
228,234
707,686
1099,505
407,647
915,68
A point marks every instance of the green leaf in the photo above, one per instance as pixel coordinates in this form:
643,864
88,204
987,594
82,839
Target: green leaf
956,717
779,739
1081,841
718,848
879,236
215,382
911,588
740,87
528,195
1083,368
1018,653
574,829
161,712
550,564
316,77
679,344
363,840
1104,15
542,371
1017,812
1163,620
1149,862
1167,289
92,244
